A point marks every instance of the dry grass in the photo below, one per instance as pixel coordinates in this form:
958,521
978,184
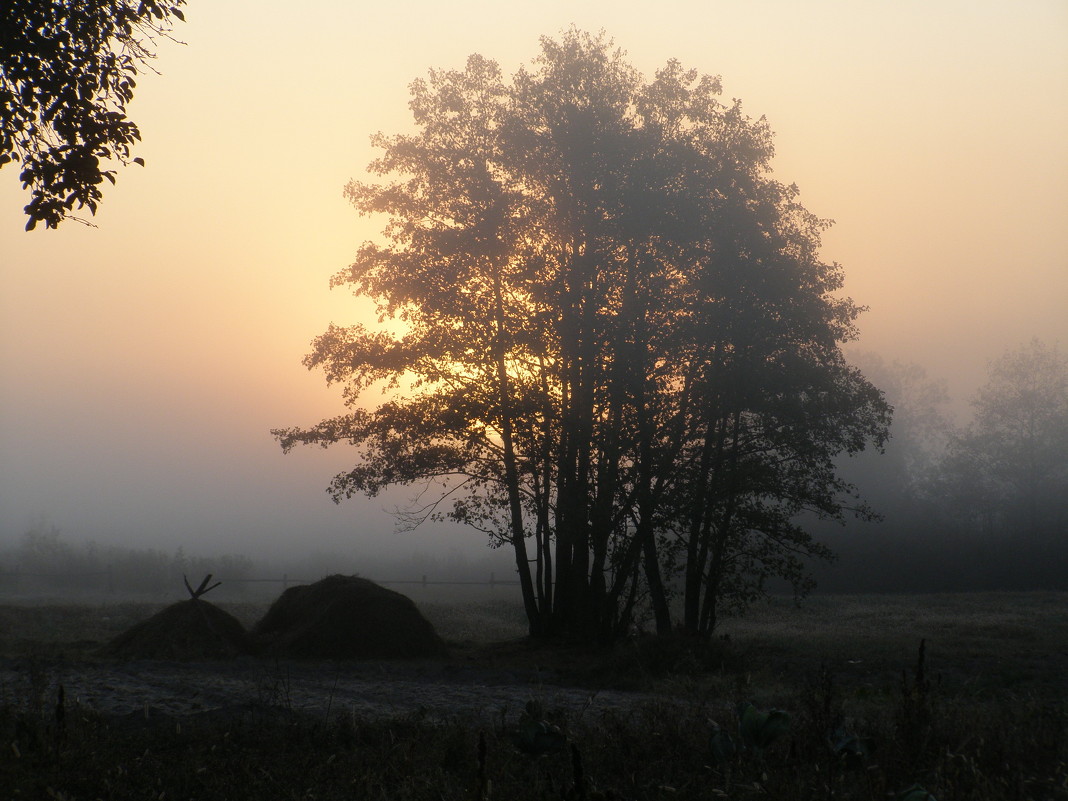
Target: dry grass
977,642
985,719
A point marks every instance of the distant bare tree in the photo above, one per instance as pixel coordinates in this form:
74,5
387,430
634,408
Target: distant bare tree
918,437
1008,468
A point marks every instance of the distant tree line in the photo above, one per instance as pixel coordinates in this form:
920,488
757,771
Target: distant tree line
978,506
44,562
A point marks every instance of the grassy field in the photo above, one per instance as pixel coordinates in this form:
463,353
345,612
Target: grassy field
980,713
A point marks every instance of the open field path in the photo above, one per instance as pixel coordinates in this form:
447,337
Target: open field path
377,689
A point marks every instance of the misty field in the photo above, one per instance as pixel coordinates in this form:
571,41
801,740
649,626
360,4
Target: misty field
980,712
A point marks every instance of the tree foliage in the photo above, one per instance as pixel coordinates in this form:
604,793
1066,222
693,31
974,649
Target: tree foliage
67,71
620,350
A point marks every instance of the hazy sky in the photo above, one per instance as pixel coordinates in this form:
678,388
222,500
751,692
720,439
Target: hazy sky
143,362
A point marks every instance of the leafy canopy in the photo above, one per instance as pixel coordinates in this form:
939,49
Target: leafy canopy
67,71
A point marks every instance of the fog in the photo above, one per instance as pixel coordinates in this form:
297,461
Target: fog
143,362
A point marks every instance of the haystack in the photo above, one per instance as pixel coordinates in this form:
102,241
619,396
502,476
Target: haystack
346,617
192,629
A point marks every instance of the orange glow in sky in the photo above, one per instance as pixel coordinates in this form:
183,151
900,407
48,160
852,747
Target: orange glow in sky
144,361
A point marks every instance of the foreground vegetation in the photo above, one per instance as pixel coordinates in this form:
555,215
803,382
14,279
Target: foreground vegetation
980,712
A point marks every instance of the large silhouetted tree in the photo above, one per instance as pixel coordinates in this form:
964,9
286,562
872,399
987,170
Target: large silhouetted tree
67,71
619,350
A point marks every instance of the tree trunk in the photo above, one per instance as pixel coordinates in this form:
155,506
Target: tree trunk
511,471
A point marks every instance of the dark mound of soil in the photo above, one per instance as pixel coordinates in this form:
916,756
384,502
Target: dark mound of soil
192,629
345,617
